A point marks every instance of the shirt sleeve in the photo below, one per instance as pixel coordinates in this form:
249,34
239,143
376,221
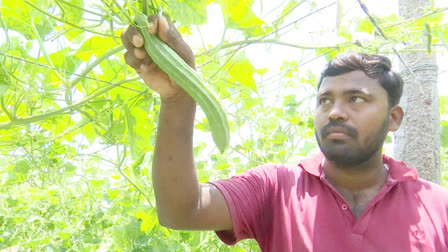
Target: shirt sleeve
248,196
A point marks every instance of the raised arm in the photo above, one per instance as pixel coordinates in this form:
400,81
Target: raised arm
182,203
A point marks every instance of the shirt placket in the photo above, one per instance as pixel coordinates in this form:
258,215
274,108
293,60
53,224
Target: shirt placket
359,226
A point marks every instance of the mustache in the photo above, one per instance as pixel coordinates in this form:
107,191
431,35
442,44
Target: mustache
340,125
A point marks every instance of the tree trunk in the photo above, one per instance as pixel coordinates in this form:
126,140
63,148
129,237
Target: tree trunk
417,142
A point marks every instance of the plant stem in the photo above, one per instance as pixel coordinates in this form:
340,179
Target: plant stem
68,23
80,8
130,20
274,41
10,116
49,67
44,116
120,163
145,9
88,68
43,49
416,18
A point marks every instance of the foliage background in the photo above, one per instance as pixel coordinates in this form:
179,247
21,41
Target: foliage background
77,126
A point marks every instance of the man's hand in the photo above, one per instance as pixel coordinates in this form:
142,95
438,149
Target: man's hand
137,58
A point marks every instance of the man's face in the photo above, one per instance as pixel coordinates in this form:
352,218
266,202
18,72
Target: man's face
351,118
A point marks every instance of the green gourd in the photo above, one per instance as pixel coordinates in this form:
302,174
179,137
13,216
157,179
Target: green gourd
188,79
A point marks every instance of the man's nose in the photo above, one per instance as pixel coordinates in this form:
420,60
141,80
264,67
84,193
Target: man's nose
338,112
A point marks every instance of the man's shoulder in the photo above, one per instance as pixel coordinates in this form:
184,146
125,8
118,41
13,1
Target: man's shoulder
277,170
408,177
432,187
429,192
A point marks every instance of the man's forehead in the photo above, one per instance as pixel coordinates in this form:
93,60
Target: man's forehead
355,81
354,90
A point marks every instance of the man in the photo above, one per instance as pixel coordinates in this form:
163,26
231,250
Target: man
348,198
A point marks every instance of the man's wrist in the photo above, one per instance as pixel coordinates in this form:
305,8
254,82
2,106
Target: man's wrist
180,99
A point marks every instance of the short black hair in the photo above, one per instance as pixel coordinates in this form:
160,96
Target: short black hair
375,66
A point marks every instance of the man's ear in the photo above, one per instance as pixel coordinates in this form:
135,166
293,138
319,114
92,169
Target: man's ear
396,115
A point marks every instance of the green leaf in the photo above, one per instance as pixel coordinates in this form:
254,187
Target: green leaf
112,69
5,81
95,46
289,100
22,166
249,102
307,147
69,168
365,25
87,130
64,235
443,104
112,193
16,17
242,71
44,25
97,182
262,71
132,135
72,35
19,16
147,216
71,10
139,128
63,59
239,15
345,33
444,135
203,125
290,67
279,137
116,131
329,53
189,12
292,4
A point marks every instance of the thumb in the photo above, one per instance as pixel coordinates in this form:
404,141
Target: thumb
168,33
164,29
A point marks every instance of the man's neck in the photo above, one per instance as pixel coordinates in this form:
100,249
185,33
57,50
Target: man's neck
366,176
358,185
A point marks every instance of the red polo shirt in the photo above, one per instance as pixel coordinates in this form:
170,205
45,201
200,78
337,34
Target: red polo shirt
294,208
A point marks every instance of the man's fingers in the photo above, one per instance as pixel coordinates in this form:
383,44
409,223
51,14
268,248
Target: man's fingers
137,40
168,33
127,44
153,24
164,27
132,61
148,66
132,38
140,53
136,55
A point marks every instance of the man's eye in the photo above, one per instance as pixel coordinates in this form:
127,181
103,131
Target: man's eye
356,99
324,101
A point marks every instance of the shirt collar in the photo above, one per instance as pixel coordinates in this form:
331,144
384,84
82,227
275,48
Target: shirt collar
398,171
